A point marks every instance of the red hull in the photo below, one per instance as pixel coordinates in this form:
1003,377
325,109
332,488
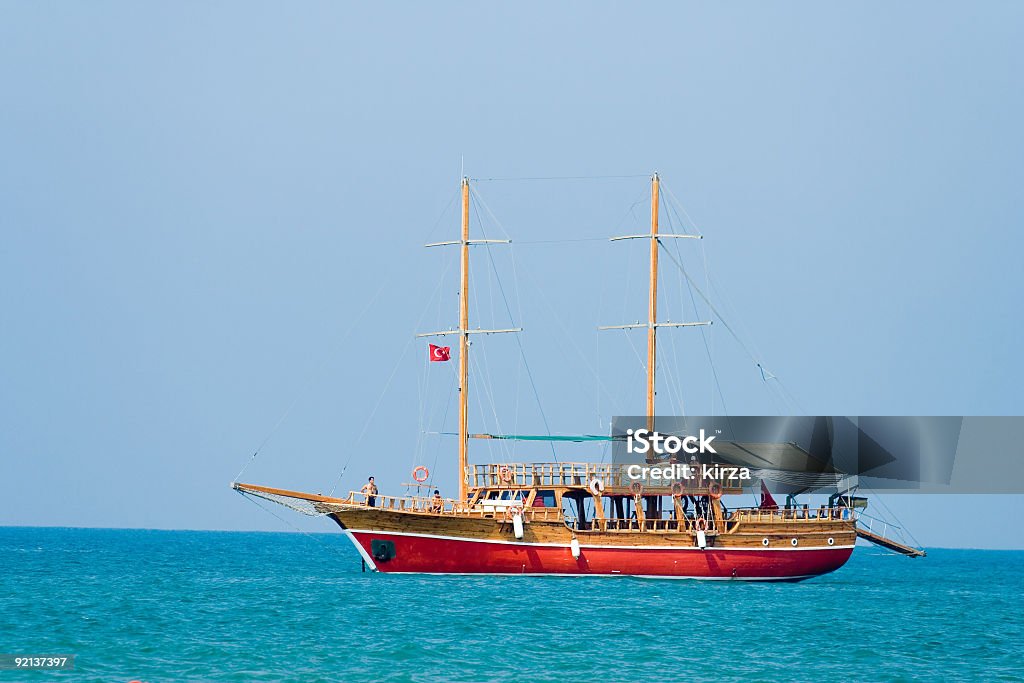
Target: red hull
445,555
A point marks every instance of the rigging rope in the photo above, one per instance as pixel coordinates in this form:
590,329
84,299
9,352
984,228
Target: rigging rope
444,419
355,323
373,413
405,350
565,241
380,398
519,342
718,314
309,381
899,522
707,348
673,371
252,499
481,364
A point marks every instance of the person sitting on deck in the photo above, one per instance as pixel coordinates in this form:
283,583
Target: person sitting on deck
436,503
370,489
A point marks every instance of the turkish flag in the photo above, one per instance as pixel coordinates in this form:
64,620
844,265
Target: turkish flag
440,353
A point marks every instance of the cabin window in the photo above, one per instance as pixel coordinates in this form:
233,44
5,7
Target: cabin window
544,499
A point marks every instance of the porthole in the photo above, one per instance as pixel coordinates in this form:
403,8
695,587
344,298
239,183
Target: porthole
793,542
764,542
831,541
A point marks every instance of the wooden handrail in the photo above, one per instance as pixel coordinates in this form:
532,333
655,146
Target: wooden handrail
572,474
426,505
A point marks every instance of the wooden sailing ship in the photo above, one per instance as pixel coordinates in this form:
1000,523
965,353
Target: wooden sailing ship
531,518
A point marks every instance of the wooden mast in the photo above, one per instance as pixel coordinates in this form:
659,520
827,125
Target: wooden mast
652,323
464,344
652,305
463,331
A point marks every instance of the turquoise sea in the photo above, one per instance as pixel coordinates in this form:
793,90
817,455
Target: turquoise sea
220,606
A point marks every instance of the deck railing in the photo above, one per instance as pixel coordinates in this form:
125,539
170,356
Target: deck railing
421,504
804,514
541,474
504,509
881,527
447,506
731,522
688,524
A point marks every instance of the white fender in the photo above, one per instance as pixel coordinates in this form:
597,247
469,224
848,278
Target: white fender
517,525
574,545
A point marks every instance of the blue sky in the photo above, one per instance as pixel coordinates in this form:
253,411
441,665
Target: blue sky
212,217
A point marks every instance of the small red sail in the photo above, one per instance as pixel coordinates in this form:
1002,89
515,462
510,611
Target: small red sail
440,353
767,502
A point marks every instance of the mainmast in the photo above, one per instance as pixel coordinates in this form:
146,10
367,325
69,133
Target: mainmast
463,331
652,323
652,305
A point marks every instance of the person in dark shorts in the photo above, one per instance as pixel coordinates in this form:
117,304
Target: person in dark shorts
370,489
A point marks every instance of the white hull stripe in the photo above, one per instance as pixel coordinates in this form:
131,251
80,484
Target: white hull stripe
362,551
787,548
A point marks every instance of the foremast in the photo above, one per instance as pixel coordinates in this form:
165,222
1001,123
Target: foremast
463,332
464,342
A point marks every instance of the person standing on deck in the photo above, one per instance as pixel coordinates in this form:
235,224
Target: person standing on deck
370,489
